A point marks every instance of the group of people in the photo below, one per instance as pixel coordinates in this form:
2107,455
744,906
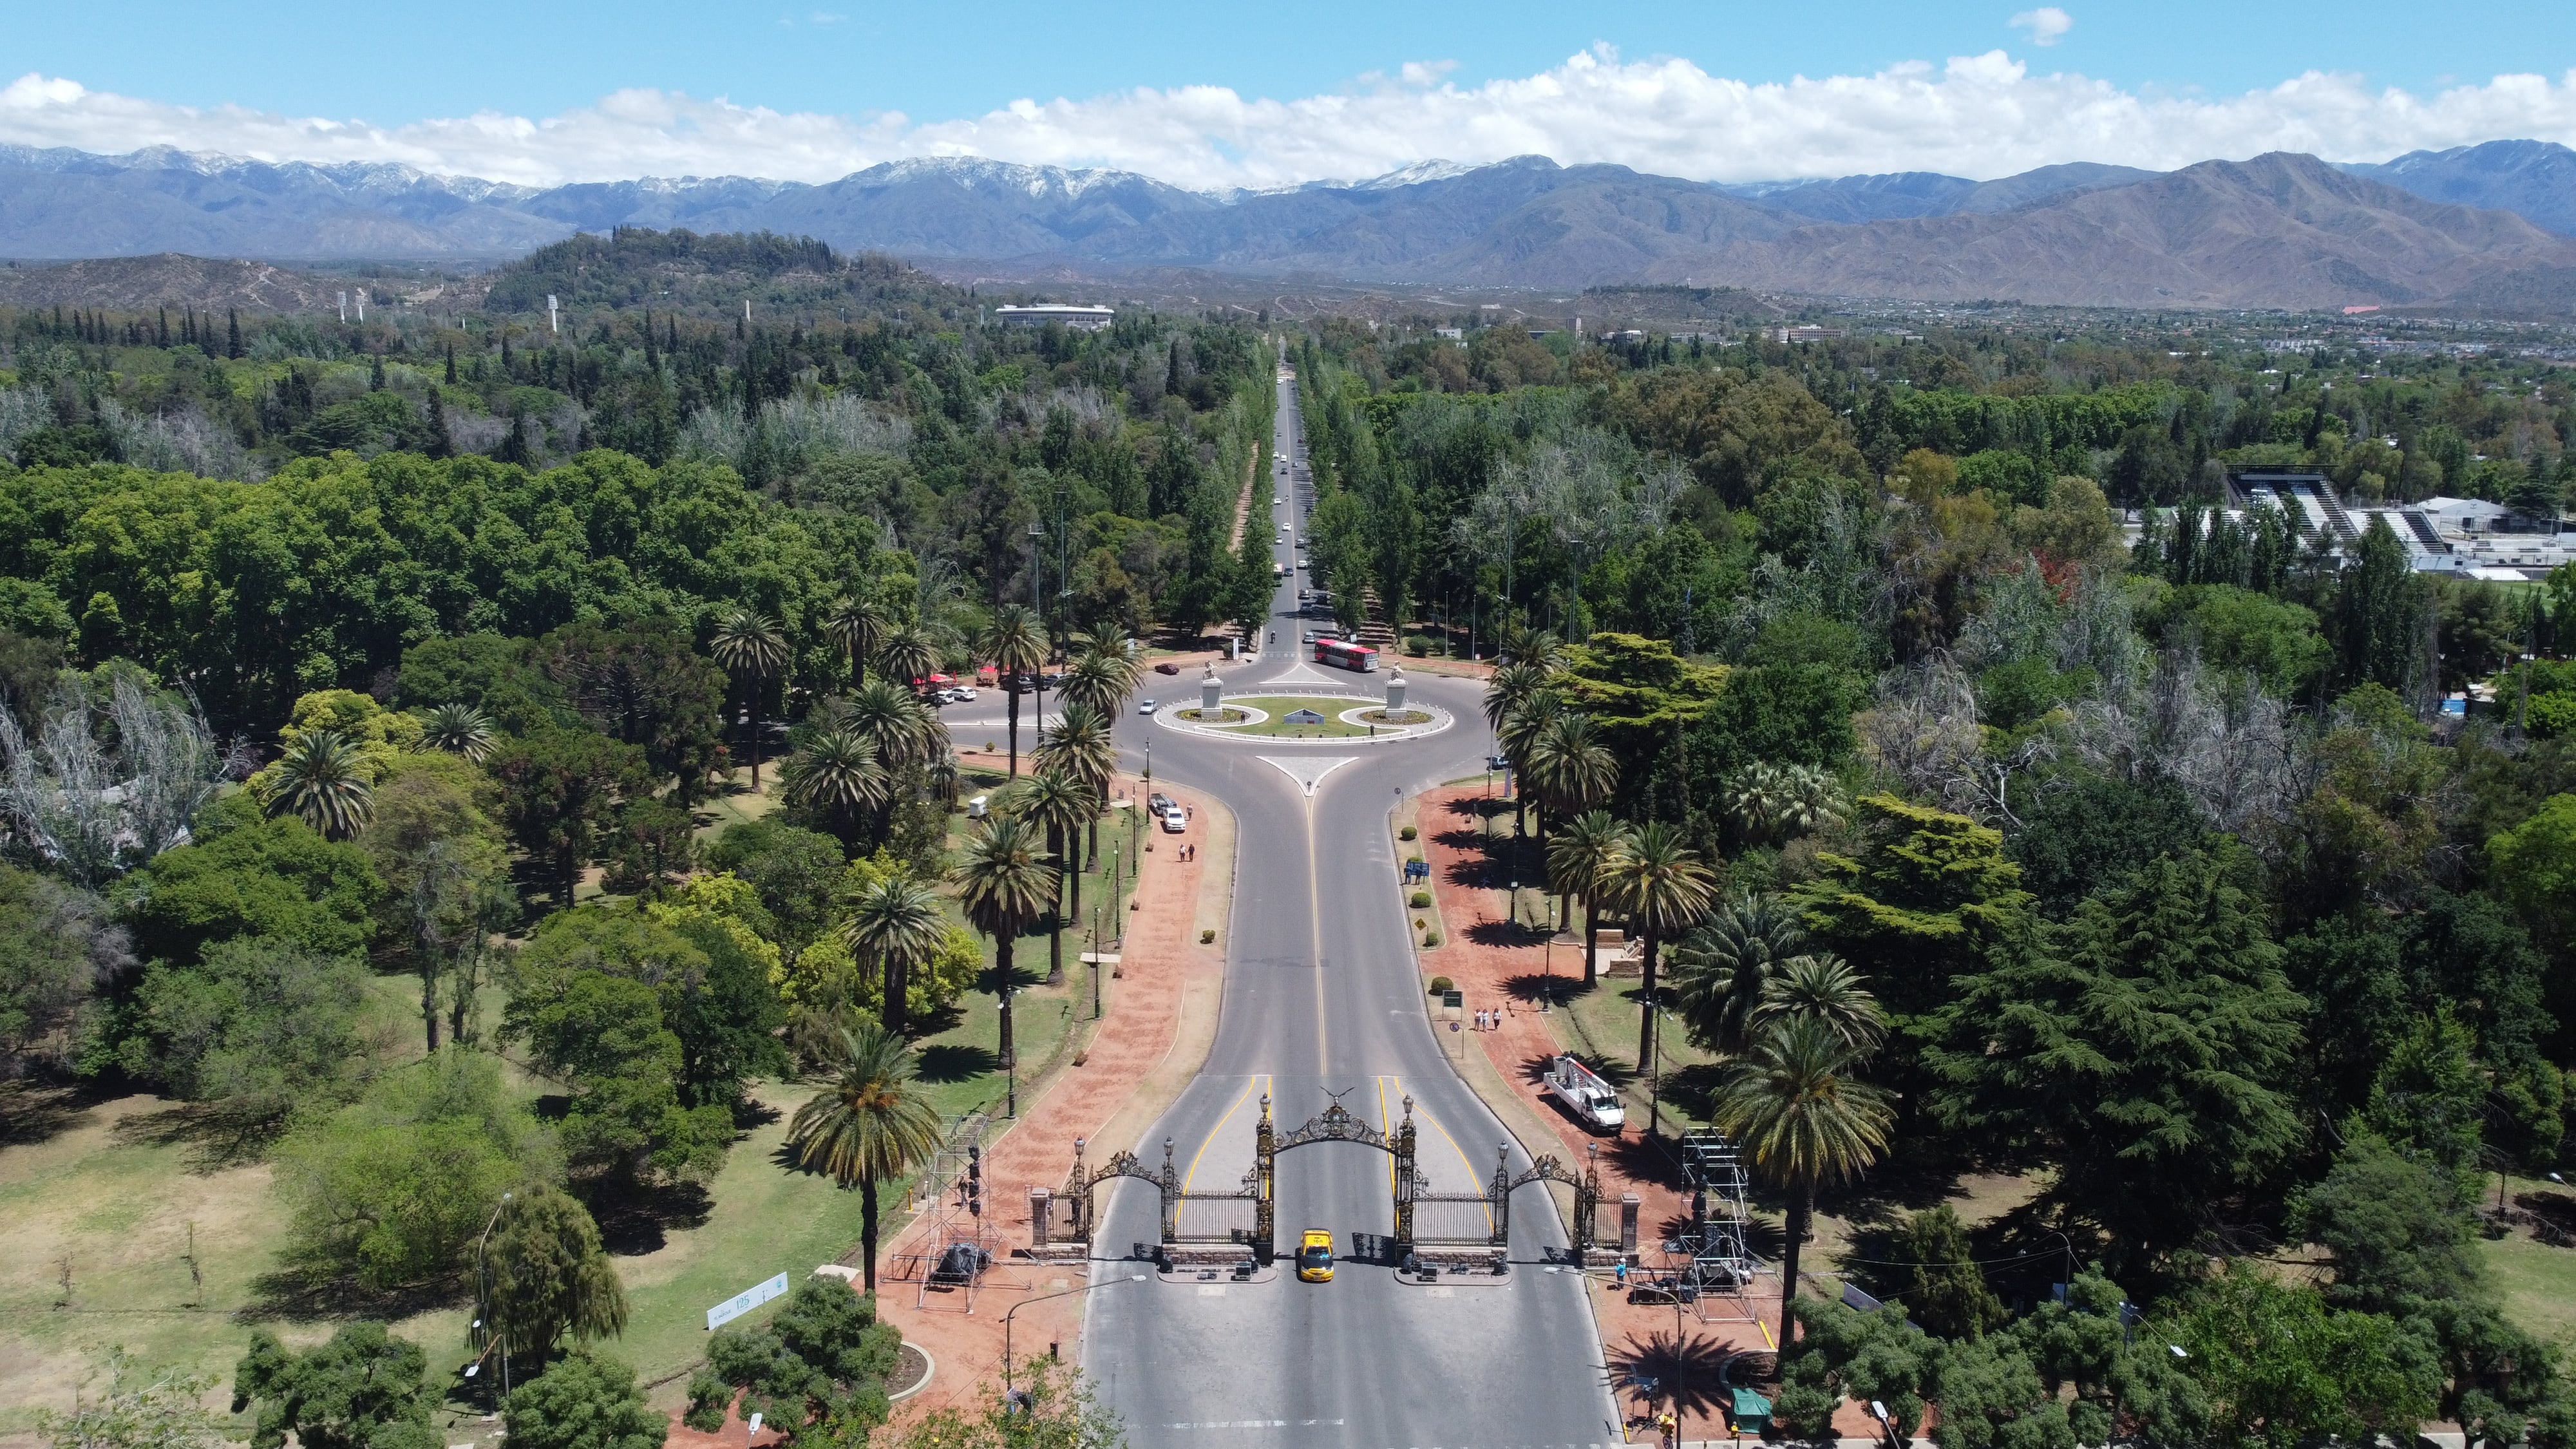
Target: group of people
1489,1020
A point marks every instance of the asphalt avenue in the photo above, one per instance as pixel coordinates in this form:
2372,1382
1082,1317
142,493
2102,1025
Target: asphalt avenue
1322,1002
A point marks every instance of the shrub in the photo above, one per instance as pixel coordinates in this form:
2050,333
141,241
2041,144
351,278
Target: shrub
1421,900
1430,939
1417,645
1407,833
1207,938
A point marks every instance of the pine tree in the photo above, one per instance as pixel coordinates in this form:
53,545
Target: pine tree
451,370
440,445
164,333
376,373
2379,612
232,332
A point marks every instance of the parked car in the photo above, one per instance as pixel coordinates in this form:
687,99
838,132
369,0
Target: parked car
1174,821
1158,802
1167,667
962,693
1144,706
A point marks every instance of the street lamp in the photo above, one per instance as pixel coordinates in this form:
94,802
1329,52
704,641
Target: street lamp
1041,1298
483,1292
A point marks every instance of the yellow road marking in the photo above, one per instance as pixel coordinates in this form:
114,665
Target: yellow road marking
1315,940
1256,1083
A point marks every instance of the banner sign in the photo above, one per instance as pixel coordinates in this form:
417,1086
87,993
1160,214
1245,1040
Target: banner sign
742,1303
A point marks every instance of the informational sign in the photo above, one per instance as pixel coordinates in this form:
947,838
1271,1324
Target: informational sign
743,1302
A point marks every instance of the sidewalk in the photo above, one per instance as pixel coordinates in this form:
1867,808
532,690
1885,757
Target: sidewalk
1160,1014
1504,967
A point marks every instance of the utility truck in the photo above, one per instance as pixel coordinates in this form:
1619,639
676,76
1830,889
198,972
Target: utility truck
1589,1098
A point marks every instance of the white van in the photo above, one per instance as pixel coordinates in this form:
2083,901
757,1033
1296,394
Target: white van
979,807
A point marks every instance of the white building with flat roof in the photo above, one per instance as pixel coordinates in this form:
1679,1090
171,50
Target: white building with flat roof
1074,316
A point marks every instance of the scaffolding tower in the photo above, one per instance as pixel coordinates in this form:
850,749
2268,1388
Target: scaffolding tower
1721,1264
957,1244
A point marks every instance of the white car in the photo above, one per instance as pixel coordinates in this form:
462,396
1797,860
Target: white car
1174,822
957,694
1144,706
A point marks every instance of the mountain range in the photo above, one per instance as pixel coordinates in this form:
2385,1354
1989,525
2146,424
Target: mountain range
2276,231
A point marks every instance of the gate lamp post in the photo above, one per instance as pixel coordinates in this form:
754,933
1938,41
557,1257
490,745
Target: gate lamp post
1041,1298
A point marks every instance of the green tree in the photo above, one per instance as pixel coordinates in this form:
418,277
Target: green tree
364,1389
2144,1046
459,729
859,625
2534,867
797,873
392,1191
897,922
249,876
715,993
1825,990
57,954
584,1401
1801,1119
1004,883
1052,1406
560,789
1014,643
1720,969
1662,889
549,1280
748,645
1056,802
2281,1368
322,778
1081,746
2379,614
1918,903
260,1024
604,1035
816,1369
441,857
1583,860
1949,1295
838,777
159,1409
1572,769
870,1126
642,685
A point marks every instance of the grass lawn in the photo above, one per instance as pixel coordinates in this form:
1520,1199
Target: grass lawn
2538,1280
1278,706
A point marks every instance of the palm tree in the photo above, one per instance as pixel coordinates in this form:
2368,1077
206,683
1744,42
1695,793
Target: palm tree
897,921
837,775
746,643
1102,678
869,1126
1663,890
1823,988
1016,645
1081,746
1583,859
1720,970
1790,1107
1572,771
1054,800
859,626
1511,687
1771,803
909,657
1003,882
323,777
459,729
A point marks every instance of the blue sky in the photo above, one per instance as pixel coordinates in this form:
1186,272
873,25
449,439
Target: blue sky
415,66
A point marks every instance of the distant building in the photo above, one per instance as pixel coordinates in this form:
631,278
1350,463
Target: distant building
1454,334
1076,318
1807,334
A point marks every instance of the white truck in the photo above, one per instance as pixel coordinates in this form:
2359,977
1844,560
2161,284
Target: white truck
1589,1098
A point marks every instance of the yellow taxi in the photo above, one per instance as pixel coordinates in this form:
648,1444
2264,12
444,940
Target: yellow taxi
1315,1256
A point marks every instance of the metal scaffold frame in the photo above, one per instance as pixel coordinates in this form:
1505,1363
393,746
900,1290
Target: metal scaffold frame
950,1193
1715,1256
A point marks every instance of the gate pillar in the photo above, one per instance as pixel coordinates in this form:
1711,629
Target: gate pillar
1628,1205
1171,1185
1077,1190
1501,1194
1265,1207
1041,1215
1587,1200
1404,1183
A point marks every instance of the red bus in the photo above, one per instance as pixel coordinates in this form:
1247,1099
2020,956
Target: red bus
1344,654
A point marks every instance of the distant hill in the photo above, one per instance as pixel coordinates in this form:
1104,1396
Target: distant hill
1856,199
168,280
2277,231
682,271
2280,230
2533,179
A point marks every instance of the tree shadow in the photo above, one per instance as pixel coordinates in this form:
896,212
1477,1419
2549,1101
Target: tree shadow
750,1112
636,1218
218,1134
938,1022
1561,988
30,1114
1690,1365
1505,933
1641,1160
312,1293
957,1061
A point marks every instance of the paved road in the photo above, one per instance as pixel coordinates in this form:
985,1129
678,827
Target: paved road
1321,998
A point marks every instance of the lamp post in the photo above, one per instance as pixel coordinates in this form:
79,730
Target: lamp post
483,1292
1037,566
1041,1298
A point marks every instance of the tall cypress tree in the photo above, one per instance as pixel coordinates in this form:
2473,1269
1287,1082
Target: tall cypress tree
2379,612
232,332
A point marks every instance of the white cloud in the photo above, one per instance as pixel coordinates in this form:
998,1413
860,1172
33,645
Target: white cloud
1978,116
2045,24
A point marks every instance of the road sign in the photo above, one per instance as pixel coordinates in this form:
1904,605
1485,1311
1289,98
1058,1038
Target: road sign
743,1302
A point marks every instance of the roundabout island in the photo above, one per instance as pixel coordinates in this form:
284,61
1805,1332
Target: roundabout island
1281,712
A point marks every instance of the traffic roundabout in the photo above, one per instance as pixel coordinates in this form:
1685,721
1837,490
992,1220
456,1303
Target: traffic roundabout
1307,717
